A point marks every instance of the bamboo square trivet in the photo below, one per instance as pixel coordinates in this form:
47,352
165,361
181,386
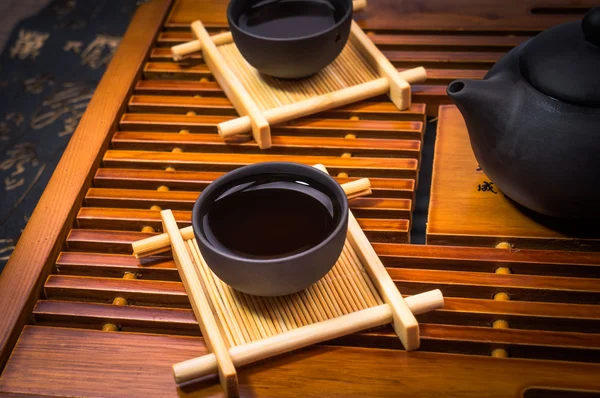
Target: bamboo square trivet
238,328
361,71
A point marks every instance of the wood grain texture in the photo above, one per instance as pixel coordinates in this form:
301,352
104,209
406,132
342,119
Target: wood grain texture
27,267
460,214
394,373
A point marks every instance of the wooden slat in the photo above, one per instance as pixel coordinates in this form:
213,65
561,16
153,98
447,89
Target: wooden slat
128,318
135,291
184,200
380,230
283,376
520,261
369,109
106,241
160,268
484,285
322,146
198,180
42,239
364,167
206,123
182,321
519,314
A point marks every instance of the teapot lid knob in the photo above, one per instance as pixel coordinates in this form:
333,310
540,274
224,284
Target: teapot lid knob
591,26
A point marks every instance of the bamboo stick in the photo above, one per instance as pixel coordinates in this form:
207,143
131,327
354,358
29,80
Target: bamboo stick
308,106
201,307
232,87
181,50
304,336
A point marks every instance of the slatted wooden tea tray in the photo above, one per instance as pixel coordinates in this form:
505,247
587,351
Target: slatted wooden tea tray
73,275
466,208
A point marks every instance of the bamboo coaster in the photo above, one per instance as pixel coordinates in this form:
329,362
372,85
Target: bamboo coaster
239,329
361,71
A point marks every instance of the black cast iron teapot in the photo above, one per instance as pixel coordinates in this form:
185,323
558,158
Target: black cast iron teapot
534,120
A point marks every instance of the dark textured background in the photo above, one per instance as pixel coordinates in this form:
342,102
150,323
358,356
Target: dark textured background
49,69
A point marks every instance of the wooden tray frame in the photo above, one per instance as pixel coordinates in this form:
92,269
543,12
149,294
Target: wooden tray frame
395,84
395,310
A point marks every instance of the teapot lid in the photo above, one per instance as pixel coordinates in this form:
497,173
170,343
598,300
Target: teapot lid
563,62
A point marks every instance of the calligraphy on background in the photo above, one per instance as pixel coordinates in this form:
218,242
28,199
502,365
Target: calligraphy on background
49,71
28,44
68,105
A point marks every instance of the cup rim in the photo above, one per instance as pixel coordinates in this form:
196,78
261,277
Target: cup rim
232,23
279,167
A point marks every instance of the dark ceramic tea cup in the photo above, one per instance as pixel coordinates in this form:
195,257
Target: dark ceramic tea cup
289,38
271,229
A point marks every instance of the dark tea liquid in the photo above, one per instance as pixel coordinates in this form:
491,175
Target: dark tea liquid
289,18
269,218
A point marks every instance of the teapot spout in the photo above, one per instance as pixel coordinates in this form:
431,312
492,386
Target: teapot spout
479,96
483,102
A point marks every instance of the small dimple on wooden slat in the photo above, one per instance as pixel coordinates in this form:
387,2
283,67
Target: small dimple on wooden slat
323,146
304,126
369,109
198,180
484,285
381,230
182,321
184,200
363,167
